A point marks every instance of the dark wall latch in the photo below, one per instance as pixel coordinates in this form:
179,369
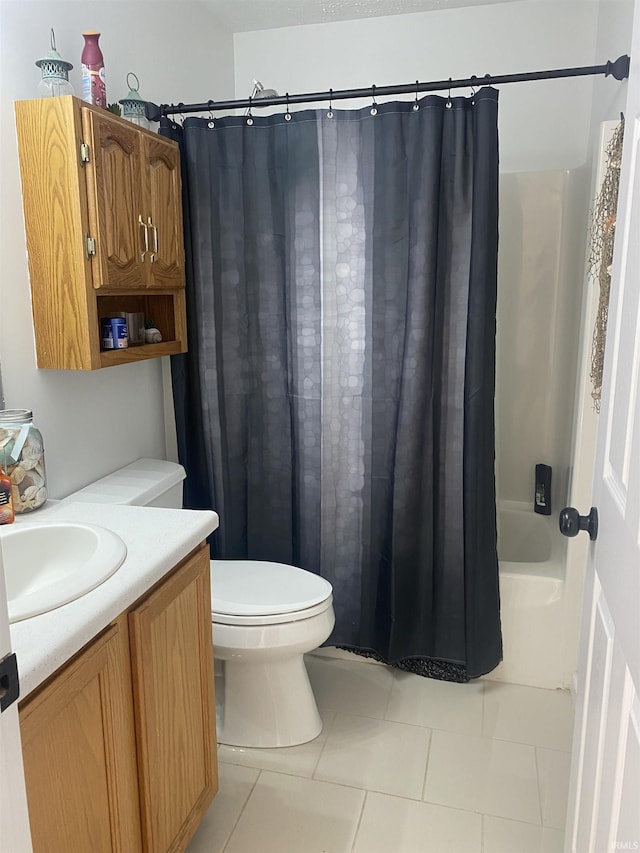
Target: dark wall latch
9,682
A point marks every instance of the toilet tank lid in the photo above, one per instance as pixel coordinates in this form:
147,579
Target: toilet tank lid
137,483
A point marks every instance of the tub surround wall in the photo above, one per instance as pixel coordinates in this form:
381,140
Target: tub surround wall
541,624
541,258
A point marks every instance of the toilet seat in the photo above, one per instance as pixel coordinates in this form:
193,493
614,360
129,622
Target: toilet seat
273,618
256,592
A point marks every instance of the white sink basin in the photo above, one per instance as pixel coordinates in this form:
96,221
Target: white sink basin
50,564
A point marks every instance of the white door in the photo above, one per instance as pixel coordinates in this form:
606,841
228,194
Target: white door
604,796
15,836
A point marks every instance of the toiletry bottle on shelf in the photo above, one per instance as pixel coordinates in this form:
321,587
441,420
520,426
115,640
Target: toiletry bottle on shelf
6,502
94,89
542,503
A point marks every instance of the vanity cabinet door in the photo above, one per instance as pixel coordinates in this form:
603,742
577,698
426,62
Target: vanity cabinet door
174,706
78,746
164,203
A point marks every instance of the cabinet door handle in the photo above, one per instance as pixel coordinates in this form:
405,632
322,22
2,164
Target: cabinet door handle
146,236
155,240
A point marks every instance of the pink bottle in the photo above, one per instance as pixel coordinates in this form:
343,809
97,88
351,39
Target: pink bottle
94,89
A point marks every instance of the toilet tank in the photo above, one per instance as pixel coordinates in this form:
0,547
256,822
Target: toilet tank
145,482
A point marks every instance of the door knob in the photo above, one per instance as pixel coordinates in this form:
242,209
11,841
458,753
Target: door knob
571,522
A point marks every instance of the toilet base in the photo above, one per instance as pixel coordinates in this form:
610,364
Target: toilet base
267,705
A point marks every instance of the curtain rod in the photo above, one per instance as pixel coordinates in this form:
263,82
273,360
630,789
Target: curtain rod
618,69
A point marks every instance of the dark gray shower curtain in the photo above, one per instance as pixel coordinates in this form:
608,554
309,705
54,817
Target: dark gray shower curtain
336,403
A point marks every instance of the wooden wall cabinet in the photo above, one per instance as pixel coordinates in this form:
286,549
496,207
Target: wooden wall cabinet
119,746
103,216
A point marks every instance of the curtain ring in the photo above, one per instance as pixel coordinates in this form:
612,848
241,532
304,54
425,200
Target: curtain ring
287,115
448,105
249,115
180,105
416,105
374,106
211,122
473,89
330,111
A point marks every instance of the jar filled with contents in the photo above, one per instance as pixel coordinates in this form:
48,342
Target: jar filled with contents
23,452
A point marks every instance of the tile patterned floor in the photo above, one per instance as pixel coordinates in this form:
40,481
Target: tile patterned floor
404,765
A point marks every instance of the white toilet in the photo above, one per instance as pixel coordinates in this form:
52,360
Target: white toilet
266,616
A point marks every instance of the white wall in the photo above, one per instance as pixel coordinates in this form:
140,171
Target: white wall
92,422
543,125
615,21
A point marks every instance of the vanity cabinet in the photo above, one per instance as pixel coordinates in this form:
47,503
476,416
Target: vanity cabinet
103,217
119,745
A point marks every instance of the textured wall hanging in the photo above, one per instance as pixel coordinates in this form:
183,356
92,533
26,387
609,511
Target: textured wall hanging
603,228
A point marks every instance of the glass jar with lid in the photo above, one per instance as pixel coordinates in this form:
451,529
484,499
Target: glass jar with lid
21,442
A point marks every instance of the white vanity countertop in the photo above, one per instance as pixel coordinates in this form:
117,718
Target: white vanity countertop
156,539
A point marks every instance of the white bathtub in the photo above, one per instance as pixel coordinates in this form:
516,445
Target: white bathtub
532,564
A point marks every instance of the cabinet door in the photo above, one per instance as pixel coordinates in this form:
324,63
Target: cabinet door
162,158
78,745
115,198
174,707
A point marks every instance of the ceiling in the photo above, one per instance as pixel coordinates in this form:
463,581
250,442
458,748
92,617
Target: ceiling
245,15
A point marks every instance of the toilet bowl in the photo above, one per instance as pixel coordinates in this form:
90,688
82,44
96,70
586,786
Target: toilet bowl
266,616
